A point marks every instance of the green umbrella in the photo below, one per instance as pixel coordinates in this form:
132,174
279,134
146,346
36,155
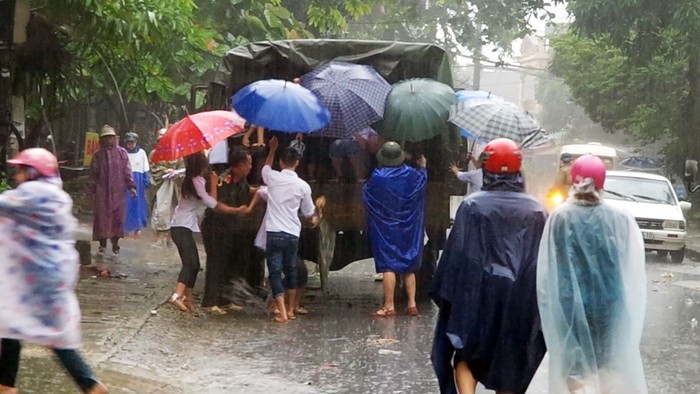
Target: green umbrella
416,109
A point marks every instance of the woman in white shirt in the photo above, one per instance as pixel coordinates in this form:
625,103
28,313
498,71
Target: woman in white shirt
193,200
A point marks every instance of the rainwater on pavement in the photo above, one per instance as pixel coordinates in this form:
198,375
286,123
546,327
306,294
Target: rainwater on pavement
139,344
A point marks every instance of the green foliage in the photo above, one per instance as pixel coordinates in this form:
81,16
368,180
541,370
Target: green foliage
453,24
140,51
645,101
654,90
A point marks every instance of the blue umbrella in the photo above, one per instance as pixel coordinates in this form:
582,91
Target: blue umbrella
355,95
281,105
641,162
466,95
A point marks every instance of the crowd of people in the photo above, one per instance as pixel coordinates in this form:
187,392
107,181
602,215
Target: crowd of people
512,282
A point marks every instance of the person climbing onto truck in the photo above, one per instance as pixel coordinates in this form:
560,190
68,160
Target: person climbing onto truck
394,199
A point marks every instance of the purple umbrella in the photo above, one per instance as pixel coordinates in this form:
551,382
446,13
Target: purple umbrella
354,94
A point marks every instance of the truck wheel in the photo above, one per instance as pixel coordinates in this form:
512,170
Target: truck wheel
677,256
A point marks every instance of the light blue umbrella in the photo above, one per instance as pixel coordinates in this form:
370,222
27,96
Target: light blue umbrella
281,105
466,95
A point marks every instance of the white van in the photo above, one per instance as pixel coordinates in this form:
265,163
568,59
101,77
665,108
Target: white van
606,153
559,191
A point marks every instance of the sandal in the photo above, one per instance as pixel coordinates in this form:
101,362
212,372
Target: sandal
383,312
412,311
301,311
178,301
189,304
291,316
232,307
101,251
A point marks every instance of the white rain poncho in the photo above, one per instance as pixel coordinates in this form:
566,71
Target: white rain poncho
591,290
39,265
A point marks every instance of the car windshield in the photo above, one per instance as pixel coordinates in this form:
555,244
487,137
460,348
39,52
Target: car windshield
646,190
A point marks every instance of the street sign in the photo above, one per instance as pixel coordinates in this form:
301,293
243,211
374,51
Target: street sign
92,144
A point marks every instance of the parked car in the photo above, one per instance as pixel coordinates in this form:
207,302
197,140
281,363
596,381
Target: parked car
653,201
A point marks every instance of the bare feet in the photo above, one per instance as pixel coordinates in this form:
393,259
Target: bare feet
99,388
178,302
7,390
279,318
383,312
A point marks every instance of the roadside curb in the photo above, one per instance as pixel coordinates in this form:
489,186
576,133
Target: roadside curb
692,253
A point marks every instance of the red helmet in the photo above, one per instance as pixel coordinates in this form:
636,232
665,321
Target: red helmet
502,156
38,158
588,166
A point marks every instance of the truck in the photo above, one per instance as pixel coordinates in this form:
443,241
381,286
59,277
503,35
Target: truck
341,237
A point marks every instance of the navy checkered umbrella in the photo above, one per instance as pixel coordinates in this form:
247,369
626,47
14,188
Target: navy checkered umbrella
490,119
354,94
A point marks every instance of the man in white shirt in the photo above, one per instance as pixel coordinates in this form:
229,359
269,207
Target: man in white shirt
288,196
474,178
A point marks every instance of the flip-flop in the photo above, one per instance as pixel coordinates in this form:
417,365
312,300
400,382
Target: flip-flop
382,312
301,311
412,311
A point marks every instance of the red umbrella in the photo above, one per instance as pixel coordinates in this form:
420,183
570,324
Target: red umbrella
195,133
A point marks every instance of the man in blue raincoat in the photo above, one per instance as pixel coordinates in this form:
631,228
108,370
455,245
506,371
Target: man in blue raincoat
488,327
395,205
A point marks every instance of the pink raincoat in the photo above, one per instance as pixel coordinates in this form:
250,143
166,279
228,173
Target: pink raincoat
110,181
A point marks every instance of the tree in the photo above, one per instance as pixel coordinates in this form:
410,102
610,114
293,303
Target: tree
124,51
453,24
655,45
560,114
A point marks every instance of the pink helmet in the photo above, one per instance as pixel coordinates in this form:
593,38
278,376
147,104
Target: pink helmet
588,166
38,158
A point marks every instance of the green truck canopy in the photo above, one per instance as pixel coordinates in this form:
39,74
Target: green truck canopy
287,59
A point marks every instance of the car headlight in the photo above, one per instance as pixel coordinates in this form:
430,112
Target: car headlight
556,198
673,225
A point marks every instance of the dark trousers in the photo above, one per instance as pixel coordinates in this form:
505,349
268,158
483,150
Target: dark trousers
71,360
187,248
115,242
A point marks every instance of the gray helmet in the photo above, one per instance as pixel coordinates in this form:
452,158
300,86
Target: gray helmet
298,146
131,137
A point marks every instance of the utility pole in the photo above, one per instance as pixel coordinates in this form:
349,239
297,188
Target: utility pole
7,20
476,58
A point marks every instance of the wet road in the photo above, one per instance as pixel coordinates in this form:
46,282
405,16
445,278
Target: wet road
336,349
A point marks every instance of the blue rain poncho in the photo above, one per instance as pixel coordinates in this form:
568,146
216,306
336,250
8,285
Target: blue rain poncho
395,206
591,289
137,206
484,286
